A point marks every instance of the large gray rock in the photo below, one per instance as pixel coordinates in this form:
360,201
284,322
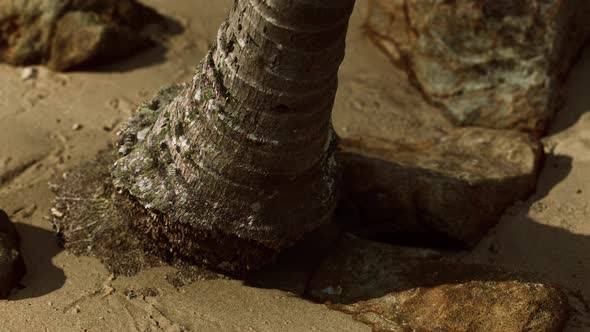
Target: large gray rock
403,289
489,63
12,266
65,34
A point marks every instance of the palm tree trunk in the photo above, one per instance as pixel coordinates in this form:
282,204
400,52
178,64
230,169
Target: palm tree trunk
240,164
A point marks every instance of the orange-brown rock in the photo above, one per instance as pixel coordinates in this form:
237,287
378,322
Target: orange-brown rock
403,289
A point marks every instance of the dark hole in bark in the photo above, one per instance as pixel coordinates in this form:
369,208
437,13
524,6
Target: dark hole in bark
179,129
230,46
154,105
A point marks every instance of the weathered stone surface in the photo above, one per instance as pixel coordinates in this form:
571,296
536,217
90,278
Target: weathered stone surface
73,33
449,190
508,306
12,266
410,174
494,64
403,289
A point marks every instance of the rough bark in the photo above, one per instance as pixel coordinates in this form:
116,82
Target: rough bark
239,163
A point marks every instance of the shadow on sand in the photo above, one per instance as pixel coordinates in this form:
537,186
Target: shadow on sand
294,270
295,267
334,266
38,247
151,56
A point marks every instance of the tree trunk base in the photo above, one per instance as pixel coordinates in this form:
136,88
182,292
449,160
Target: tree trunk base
172,161
149,177
179,241
110,224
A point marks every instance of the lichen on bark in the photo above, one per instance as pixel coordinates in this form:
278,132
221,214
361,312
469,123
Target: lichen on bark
239,162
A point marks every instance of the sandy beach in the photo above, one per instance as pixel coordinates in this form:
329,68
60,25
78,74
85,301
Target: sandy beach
56,121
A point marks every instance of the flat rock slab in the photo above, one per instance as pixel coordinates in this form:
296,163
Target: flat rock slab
449,191
403,289
73,33
12,266
495,64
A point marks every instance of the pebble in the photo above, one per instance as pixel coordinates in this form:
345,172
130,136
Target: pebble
56,213
28,73
332,290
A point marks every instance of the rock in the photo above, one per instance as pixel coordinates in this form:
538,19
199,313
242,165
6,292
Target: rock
73,33
403,289
410,174
448,191
56,213
28,73
12,266
495,64
508,306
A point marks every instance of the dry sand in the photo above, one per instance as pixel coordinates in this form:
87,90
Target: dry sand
550,234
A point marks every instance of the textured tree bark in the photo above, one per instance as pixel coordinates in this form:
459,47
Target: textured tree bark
240,164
